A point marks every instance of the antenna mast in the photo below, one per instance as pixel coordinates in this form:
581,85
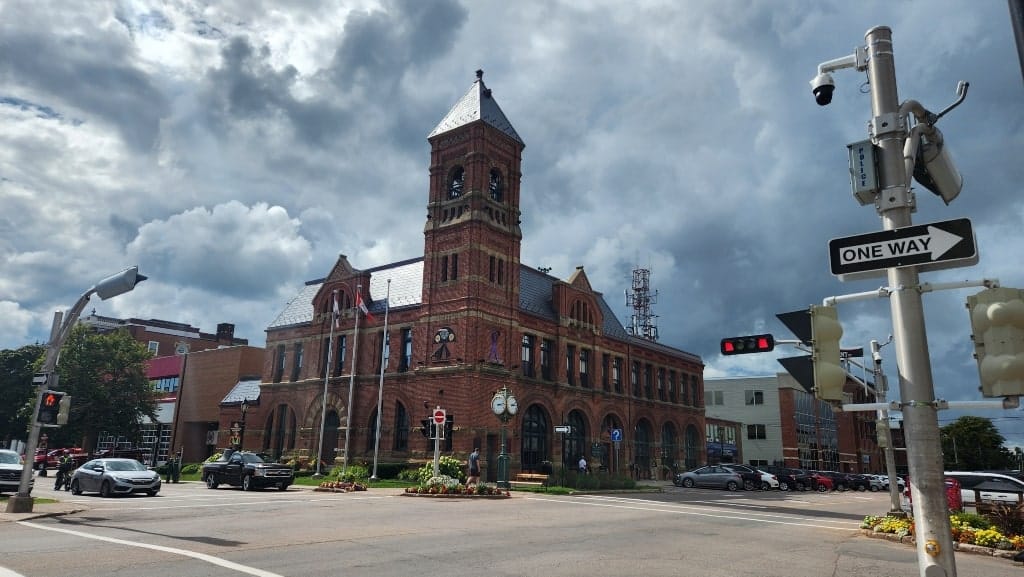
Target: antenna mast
642,323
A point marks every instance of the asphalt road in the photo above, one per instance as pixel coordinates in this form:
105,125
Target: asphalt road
190,530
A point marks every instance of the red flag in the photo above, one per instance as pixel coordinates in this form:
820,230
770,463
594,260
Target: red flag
362,307
337,313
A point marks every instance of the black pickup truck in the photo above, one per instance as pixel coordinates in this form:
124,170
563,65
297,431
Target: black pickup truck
248,471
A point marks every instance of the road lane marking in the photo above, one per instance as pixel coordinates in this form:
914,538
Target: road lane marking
4,572
127,507
680,509
172,550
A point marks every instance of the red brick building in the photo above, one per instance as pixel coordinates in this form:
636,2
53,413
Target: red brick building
464,320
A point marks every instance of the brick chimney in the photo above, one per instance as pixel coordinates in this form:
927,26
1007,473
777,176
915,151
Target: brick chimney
225,334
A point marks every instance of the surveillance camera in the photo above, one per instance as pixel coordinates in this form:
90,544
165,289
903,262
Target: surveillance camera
935,170
823,86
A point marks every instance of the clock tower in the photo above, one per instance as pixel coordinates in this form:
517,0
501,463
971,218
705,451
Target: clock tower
472,235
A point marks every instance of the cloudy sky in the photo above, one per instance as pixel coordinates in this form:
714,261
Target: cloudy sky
233,149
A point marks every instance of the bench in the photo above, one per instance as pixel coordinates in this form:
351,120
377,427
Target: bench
529,480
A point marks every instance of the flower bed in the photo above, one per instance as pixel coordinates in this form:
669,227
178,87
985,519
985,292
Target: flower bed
445,486
967,529
340,487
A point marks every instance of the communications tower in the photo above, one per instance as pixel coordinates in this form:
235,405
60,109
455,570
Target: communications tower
642,323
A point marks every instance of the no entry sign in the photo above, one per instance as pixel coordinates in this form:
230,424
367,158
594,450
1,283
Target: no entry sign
439,416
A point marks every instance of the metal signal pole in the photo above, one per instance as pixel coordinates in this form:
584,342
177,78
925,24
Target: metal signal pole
895,202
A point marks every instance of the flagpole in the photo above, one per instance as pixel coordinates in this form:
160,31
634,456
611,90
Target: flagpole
351,382
327,374
380,387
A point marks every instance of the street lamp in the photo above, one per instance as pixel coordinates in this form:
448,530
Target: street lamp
241,431
505,406
46,378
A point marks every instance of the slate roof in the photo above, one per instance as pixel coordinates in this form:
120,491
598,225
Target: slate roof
477,104
248,390
407,290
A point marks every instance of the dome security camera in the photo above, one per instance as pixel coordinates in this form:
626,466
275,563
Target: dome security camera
823,86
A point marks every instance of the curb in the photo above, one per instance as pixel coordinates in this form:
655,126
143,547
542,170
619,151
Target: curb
958,547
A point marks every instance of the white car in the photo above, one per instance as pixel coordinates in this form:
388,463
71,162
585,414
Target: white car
11,465
993,487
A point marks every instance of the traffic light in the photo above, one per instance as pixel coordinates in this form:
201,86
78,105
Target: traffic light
64,410
49,408
997,320
425,425
748,344
829,374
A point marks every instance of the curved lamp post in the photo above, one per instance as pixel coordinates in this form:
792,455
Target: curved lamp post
109,287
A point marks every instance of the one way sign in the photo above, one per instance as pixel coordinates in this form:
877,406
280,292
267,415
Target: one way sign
934,246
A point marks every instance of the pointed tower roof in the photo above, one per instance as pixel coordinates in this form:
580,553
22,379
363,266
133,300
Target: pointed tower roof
477,104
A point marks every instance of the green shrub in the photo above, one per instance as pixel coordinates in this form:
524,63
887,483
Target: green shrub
409,475
447,466
191,468
971,519
354,473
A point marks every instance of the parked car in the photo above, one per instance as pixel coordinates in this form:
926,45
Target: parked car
820,482
110,477
992,487
714,476
50,458
791,479
754,478
845,481
11,465
954,497
248,471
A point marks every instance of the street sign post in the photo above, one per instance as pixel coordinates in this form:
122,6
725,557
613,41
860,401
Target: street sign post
933,246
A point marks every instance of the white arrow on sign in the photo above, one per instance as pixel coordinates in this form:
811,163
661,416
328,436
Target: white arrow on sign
937,242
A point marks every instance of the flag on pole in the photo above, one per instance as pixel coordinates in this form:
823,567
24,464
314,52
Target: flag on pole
362,307
337,312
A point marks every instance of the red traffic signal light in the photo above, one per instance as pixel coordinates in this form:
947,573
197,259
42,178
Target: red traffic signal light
748,344
49,408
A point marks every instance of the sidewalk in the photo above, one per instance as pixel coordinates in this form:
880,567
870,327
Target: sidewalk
41,510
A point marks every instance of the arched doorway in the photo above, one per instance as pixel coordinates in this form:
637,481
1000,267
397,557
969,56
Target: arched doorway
611,456
576,441
332,422
691,460
534,447
642,448
669,448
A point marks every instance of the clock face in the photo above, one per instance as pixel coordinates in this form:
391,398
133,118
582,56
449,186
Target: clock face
513,405
498,404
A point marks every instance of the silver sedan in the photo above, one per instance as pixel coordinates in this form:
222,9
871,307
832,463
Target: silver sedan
111,477
710,476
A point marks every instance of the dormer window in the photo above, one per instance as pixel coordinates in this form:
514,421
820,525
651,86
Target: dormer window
495,186
456,180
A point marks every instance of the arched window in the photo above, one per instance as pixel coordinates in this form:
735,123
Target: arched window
401,428
669,446
642,447
330,445
456,181
575,441
495,186
534,448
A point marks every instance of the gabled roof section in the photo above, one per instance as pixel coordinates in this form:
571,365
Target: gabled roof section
406,290
535,290
579,280
477,104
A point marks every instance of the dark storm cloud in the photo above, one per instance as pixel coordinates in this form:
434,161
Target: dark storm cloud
91,72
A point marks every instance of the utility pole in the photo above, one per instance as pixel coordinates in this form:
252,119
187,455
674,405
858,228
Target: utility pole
895,204
884,431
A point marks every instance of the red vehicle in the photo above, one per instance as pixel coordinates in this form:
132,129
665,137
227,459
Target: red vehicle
49,459
954,499
822,483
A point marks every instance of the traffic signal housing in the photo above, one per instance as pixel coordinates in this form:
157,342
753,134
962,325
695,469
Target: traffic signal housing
997,321
426,427
64,410
748,344
49,408
829,374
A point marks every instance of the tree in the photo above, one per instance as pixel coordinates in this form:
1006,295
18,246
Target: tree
17,394
974,444
105,374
